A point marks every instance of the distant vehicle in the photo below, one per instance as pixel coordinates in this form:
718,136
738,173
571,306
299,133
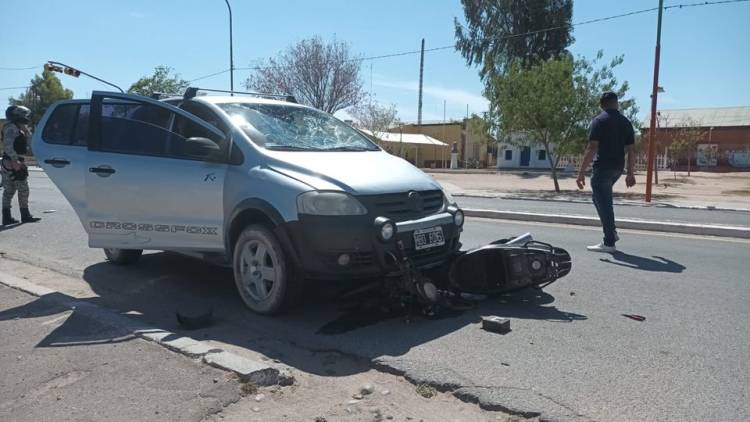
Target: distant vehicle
281,192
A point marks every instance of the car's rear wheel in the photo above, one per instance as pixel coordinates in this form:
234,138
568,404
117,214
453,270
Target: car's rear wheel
265,279
123,256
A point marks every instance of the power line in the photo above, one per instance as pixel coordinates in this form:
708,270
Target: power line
18,68
703,3
524,34
14,87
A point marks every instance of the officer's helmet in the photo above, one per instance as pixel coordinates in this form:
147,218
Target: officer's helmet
18,114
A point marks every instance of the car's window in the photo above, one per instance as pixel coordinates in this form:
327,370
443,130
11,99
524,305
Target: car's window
144,129
281,127
204,113
59,127
81,131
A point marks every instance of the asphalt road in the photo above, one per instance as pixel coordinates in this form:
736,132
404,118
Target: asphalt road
655,213
571,354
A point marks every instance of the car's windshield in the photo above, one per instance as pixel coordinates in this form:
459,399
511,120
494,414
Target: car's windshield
291,128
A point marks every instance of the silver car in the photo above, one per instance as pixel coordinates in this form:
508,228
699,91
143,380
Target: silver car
283,193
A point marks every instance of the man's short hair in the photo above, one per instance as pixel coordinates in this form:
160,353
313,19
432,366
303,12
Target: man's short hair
607,98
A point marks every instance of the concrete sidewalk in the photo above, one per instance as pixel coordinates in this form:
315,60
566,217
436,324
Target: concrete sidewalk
586,209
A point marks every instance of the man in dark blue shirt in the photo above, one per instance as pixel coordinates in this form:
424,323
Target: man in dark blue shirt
610,137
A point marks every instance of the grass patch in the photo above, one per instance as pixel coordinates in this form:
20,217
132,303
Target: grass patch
426,391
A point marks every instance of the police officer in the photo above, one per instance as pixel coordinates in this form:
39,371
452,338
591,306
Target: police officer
15,141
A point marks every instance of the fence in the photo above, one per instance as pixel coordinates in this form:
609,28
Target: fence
573,161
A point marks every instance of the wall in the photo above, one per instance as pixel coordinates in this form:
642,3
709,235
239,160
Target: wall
722,149
471,146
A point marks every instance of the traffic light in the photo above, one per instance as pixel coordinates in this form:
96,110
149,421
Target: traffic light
49,67
72,72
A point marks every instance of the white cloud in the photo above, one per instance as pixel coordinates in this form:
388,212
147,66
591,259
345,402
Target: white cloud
452,96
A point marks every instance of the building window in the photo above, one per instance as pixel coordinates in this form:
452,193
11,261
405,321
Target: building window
541,155
508,154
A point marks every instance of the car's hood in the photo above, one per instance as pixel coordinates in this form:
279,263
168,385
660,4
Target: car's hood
358,173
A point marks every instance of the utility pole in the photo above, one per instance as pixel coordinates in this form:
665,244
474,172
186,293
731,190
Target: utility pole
654,93
231,53
421,74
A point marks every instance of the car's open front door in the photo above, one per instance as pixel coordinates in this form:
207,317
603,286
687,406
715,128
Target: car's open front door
59,146
145,186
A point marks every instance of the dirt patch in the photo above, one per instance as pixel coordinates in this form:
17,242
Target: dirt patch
737,192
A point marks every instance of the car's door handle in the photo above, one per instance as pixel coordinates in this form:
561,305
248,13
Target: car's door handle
103,171
57,162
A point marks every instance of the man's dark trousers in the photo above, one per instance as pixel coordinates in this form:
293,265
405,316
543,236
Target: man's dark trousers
602,181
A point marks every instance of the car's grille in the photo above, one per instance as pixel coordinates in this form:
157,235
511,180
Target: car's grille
402,206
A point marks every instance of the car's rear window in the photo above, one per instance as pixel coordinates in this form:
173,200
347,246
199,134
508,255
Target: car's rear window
68,125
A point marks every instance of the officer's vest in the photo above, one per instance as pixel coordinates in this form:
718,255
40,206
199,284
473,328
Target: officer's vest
21,143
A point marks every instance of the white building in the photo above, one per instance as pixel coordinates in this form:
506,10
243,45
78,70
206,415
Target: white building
513,156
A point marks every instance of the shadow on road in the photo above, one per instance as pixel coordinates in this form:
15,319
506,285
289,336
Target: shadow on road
161,283
660,264
530,304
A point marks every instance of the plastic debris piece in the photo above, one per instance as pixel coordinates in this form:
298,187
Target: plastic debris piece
495,324
635,317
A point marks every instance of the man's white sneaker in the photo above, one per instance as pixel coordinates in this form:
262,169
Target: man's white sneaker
602,248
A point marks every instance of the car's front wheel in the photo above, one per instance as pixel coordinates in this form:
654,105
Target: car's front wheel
123,256
265,279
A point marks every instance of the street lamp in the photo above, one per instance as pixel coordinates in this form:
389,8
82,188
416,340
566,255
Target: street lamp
231,54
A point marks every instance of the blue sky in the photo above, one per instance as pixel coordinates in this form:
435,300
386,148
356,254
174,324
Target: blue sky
705,50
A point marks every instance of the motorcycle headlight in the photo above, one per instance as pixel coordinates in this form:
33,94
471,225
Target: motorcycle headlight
329,203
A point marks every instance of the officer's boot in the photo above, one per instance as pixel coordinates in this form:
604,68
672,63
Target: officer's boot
7,218
26,216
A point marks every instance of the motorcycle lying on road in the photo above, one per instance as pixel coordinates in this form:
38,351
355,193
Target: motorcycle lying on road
502,266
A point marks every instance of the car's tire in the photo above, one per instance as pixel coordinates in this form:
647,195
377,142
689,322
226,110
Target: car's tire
265,278
123,256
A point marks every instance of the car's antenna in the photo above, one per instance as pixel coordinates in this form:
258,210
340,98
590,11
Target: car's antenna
68,70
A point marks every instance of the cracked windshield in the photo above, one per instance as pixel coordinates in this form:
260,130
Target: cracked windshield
289,128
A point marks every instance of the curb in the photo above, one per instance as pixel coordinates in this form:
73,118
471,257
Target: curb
623,223
588,201
248,370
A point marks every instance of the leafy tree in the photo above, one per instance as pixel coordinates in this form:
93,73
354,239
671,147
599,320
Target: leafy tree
685,138
322,75
43,91
162,80
500,33
551,104
374,117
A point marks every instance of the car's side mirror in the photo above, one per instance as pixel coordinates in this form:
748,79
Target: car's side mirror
202,148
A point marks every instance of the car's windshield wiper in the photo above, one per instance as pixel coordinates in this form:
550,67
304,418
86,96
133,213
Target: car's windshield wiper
291,148
349,149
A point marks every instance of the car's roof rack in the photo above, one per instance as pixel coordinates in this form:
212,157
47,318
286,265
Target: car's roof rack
193,91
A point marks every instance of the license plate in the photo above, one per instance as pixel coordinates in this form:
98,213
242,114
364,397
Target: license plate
428,238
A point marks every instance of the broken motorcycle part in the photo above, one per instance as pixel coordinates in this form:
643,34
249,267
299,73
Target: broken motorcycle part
496,324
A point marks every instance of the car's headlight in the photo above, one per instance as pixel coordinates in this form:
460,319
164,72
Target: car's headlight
329,203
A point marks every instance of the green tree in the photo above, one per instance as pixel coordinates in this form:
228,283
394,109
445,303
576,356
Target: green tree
551,104
499,33
162,80
43,91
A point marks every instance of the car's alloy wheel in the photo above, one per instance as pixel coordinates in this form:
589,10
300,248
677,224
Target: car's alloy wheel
259,269
264,278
